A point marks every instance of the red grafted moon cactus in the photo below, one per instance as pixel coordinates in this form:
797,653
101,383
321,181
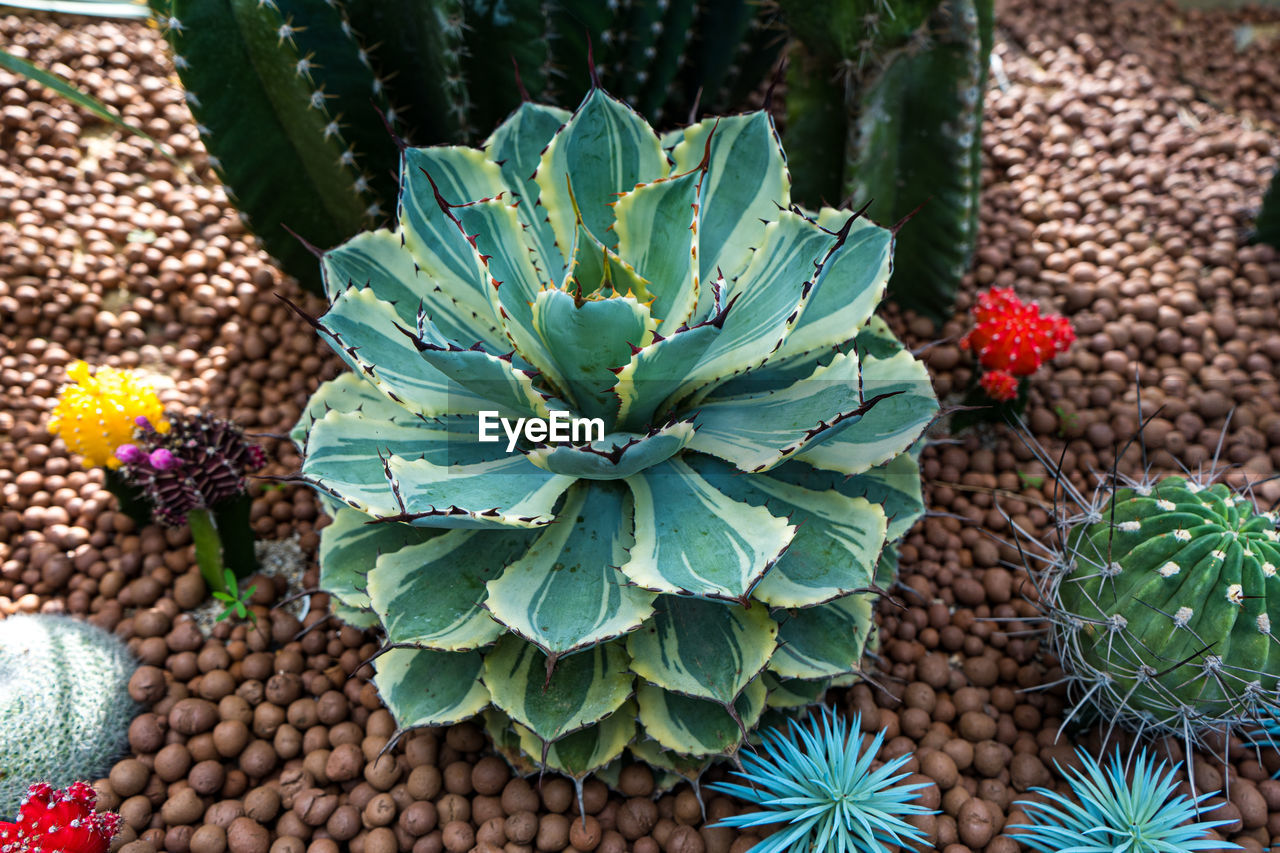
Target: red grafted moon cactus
1012,339
52,820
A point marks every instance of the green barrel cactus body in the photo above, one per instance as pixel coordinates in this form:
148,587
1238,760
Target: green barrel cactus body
65,707
701,550
1166,613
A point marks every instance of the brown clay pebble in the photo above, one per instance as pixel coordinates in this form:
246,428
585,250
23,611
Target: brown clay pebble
246,835
209,838
553,833
459,837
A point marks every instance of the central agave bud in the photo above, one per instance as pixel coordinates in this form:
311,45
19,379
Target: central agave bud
703,452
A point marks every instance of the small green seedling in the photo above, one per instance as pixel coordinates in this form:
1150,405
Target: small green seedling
235,600
1031,480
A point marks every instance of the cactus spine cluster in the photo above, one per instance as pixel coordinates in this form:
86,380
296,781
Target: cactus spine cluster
65,707
1163,605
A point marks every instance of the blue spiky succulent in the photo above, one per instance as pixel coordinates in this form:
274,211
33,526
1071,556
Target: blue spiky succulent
817,777
1112,814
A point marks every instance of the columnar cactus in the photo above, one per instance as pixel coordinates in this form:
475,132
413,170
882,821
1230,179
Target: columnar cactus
65,707
701,549
286,92
1163,606
884,102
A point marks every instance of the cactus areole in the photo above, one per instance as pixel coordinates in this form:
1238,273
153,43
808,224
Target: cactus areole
701,550
1166,608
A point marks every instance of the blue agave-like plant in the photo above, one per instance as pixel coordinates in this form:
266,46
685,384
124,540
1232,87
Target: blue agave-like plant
818,778
1114,814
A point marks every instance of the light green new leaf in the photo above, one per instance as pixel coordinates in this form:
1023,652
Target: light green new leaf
691,538
697,726
430,228
377,260
824,641
764,301
422,688
893,424
586,750
657,234
746,182
565,593
588,341
704,649
431,594
836,545
517,146
349,548
507,491
616,456
604,150
582,688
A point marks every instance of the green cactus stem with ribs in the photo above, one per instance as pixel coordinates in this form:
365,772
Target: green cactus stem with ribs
884,105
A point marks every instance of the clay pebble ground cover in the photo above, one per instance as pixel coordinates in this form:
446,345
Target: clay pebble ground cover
1127,147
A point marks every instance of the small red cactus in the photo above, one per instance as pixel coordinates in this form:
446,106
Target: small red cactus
1010,335
53,821
1000,385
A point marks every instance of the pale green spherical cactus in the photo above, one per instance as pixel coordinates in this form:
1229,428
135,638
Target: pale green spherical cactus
65,707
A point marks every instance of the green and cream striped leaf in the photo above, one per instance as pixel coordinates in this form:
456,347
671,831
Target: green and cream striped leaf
746,182
696,727
565,592
847,290
346,392
823,641
512,282
554,698
837,543
361,329
765,301
582,752
346,453
894,486
598,269
893,424
352,616
502,732
705,649
588,341
657,231
479,375
653,374
422,688
505,491
759,431
692,539
430,595
616,456
517,146
430,230
377,260
605,149
349,548
793,692
677,767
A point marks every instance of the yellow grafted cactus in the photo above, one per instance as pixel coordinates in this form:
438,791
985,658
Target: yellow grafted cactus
98,412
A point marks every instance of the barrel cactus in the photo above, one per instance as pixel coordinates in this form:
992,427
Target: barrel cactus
64,703
1162,610
703,446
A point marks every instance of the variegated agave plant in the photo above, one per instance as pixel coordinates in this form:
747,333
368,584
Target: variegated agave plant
705,560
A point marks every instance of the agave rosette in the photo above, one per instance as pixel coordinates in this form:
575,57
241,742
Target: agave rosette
708,558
